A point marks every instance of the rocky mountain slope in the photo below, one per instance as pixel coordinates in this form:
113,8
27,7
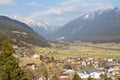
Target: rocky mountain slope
99,26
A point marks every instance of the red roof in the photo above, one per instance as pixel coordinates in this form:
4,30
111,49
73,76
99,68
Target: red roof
64,79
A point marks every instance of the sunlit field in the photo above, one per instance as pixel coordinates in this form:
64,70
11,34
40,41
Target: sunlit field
103,50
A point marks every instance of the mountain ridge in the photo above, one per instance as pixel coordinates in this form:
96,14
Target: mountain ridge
100,26
19,33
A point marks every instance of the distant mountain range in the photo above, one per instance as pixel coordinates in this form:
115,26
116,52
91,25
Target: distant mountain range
99,26
41,28
19,33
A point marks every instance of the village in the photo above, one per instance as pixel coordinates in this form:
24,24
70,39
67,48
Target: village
68,67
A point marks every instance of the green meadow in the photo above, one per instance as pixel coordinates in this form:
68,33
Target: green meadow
102,50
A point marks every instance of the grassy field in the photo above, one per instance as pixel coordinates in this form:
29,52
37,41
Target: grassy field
103,50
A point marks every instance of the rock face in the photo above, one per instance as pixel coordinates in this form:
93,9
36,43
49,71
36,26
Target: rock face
100,26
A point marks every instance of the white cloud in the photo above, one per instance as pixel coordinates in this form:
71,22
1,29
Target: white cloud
6,2
34,4
31,3
68,10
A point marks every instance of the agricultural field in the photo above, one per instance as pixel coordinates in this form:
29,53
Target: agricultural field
103,50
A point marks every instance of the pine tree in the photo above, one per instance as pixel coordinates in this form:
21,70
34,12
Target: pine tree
7,49
77,77
9,67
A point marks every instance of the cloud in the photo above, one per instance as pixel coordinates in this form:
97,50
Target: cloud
34,4
68,10
6,2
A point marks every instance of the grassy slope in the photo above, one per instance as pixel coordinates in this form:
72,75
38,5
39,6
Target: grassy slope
19,33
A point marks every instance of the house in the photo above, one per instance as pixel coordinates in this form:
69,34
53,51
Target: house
90,72
41,78
95,75
70,73
118,62
36,56
116,72
83,63
64,77
45,58
111,68
31,65
70,59
18,50
110,60
83,75
15,47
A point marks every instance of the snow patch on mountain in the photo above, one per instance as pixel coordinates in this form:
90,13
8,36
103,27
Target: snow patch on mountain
39,27
30,21
87,16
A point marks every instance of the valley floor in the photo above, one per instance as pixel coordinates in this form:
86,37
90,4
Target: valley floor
103,50
68,59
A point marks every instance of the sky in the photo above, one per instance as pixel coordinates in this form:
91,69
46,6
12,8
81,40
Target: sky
53,12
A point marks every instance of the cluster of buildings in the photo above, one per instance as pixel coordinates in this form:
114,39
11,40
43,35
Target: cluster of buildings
94,68
24,52
84,67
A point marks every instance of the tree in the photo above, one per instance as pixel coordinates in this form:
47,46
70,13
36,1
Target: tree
31,74
89,78
77,77
41,57
9,67
7,49
52,58
55,70
42,70
67,66
108,78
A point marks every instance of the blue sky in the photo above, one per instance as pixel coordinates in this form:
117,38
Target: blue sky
53,12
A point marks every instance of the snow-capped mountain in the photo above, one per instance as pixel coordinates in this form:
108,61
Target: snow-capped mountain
40,27
99,26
